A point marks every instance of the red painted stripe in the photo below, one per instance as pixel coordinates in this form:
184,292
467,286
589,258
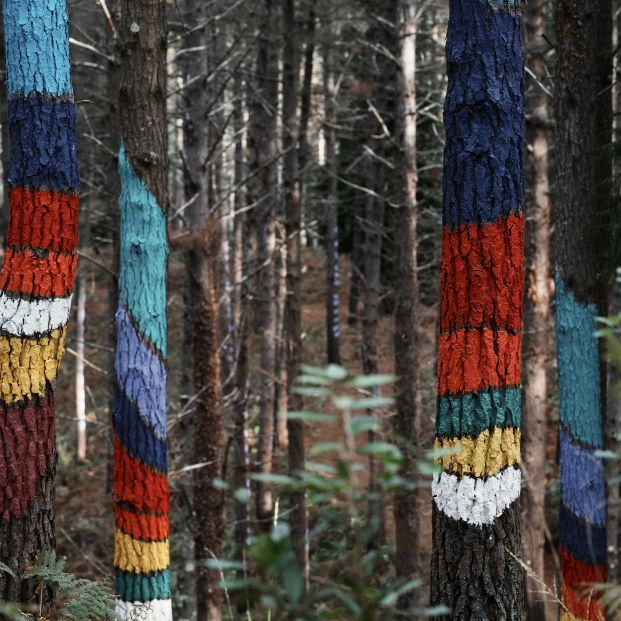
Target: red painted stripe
482,275
42,219
50,276
583,603
141,525
27,448
471,360
578,574
137,484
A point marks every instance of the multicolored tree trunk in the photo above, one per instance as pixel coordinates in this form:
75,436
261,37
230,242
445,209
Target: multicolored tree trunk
476,536
141,556
37,276
583,170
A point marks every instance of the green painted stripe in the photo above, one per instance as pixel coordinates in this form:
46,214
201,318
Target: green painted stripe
472,413
142,588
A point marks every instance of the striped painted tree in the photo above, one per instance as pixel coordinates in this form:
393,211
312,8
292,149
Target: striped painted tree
140,490
583,169
476,518
37,276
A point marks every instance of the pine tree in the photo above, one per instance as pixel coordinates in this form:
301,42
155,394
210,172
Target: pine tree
37,277
141,556
476,524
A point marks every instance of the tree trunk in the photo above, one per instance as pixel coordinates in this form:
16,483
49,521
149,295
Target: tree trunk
333,274
583,130
263,149
41,240
140,489
537,314
293,311
203,266
407,420
476,525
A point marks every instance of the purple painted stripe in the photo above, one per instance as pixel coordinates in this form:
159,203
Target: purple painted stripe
583,486
140,374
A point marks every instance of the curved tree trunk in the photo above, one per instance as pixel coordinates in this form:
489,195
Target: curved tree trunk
583,128
476,525
37,276
537,315
140,490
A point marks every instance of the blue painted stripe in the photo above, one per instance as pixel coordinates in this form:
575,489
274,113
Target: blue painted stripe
43,152
142,588
484,114
144,255
472,413
140,374
578,367
583,483
137,437
37,47
585,541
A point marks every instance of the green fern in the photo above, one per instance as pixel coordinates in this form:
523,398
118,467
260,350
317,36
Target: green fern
75,599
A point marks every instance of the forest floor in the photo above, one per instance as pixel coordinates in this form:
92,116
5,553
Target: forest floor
85,523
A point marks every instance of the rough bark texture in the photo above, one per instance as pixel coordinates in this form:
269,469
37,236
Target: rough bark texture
140,488
584,122
203,266
37,276
537,313
407,421
476,496
263,149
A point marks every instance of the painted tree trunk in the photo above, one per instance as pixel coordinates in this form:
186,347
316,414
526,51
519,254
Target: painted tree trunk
537,314
584,121
407,420
476,515
140,489
37,278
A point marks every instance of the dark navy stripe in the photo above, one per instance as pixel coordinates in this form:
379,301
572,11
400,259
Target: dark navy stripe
43,152
585,541
483,113
136,436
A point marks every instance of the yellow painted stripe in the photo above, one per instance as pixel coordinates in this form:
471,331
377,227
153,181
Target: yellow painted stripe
141,557
26,364
485,455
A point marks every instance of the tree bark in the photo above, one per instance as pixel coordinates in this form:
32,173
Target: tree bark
407,420
333,273
583,130
476,525
263,149
537,314
140,488
41,240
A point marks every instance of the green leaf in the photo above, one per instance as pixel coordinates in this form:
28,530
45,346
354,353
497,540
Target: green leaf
427,468
362,424
276,479
336,372
314,417
326,447
311,391
370,403
319,380
380,448
368,381
343,402
223,565
242,495
390,599
7,570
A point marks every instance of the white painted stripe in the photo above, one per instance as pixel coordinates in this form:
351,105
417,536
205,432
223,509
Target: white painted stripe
476,501
22,317
156,610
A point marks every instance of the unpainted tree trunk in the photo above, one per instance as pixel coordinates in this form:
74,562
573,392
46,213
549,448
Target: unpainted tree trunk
537,314
407,420
41,239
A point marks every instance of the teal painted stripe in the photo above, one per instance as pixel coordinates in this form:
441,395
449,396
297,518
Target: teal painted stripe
144,255
578,367
142,588
37,47
472,413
